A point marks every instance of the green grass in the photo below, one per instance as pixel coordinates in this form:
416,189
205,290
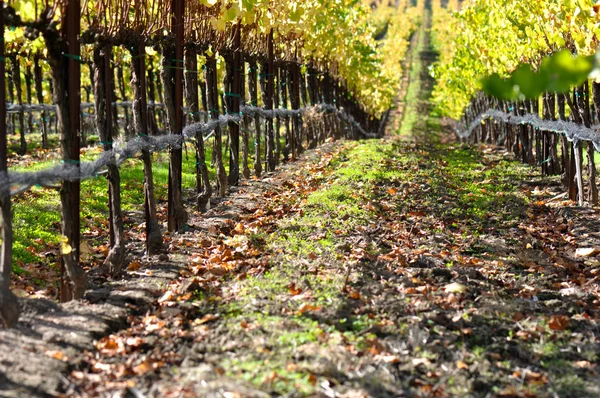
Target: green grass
36,213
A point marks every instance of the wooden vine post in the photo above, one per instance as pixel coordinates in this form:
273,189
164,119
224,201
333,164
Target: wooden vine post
270,86
246,124
39,92
177,216
203,188
64,58
278,118
253,88
213,107
282,88
152,113
154,242
16,75
587,121
295,100
103,92
9,306
233,106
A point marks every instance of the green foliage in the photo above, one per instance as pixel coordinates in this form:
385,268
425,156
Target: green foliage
557,73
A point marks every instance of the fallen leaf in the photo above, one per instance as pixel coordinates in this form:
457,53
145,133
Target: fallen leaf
461,365
583,364
134,341
587,251
558,322
56,355
108,345
146,366
455,288
294,290
101,367
291,367
420,361
168,296
237,241
240,228
218,271
205,319
134,266
307,307
392,191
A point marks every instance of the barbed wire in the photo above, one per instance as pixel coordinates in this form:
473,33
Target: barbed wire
573,131
20,181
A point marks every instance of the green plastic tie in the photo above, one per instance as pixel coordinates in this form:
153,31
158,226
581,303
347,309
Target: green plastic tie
2,59
233,95
70,161
73,56
105,143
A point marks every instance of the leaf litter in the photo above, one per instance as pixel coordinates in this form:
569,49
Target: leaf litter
373,269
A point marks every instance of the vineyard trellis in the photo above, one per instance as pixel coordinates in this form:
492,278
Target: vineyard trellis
275,75
547,110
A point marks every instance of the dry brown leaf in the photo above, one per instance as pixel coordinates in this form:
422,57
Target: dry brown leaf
461,365
56,355
240,228
109,345
134,266
307,307
205,319
294,290
559,322
218,271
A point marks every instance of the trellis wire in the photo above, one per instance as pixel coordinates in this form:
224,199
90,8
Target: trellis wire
15,108
18,182
573,131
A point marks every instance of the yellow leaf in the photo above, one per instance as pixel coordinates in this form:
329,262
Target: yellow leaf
65,248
